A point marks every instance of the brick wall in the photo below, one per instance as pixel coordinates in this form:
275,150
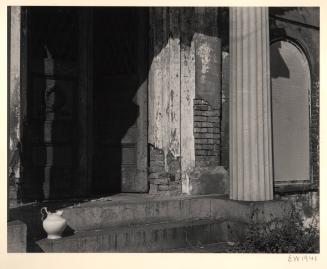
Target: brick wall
314,132
206,134
164,175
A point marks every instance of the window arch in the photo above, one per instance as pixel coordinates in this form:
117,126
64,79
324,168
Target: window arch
290,89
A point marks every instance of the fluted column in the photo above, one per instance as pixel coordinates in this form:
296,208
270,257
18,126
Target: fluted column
250,109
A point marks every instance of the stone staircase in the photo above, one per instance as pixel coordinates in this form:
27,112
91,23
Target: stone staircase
146,223
149,237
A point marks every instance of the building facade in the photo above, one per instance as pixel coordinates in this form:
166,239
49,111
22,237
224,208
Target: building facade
164,101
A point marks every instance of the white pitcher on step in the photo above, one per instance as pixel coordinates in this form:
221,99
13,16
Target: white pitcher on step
53,223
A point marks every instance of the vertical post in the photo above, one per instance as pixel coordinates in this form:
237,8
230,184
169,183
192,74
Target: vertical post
250,109
14,158
187,96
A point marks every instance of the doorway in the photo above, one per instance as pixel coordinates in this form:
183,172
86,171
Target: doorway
119,100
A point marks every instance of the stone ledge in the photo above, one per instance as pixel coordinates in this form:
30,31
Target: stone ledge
17,236
141,238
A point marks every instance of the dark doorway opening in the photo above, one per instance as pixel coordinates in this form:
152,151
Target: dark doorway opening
119,73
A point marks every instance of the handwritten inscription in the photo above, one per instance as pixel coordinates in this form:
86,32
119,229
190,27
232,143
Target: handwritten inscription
302,258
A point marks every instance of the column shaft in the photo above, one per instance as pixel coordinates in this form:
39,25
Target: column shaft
250,112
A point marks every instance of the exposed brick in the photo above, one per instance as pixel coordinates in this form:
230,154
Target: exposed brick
153,189
208,136
197,102
211,113
201,141
212,153
169,193
201,152
158,175
213,119
201,107
156,168
163,187
175,187
207,160
206,133
199,135
200,130
157,157
206,124
174,164
200,113
200,102
157,163
198,146
174,183
161,181
200,118
210,130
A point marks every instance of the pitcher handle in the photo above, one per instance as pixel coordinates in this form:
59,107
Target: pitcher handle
44,214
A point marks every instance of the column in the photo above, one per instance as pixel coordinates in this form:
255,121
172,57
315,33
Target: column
250,109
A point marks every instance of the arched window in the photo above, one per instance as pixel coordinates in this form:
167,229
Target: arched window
290,86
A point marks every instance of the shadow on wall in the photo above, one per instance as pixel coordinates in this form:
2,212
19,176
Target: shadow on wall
278,67
116,62
117,77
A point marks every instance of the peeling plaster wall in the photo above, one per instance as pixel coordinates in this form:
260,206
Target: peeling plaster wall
164,130
187,97
186,52
164,84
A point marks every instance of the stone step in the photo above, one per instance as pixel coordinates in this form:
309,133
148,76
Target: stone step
155,237
221,247
135,209
17,236
138,209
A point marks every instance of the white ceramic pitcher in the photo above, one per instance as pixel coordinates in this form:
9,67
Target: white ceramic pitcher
53,223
